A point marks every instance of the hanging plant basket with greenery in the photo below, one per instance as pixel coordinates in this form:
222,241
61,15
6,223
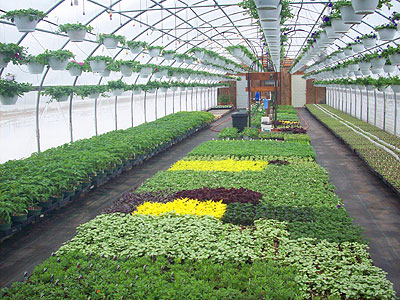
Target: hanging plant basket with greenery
58,93
76,68
76,32
136,46
25,19
386,32
36,63
10,89
110,41
58,59
117,87
11,52
168,54
154,51
99,63
91,91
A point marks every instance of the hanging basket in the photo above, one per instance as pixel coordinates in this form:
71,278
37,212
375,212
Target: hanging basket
348,51
4,100
174,88
386,34
388,69
364,7
168,56
163,90
63,98
331,33
376,71
357,48
137,92
369,43
270,14
118,92
270,25
110,43
267,4
3,64
349,16
378,62
125,70
146,72
94,95
199,54
158,75
154,52
24,24
151,91
57,64
76,35
98,66
74,71
353,67
105,73
366,72
136,50
364,65
339,26
396,89
35,68
395,58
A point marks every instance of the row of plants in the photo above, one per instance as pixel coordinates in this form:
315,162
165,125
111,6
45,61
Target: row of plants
163,236
381,83
241,52
60,172
377,158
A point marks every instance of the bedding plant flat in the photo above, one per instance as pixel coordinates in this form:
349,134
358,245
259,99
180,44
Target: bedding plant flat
232,220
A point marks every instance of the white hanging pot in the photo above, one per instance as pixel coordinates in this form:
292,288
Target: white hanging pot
267,4
154,52
349,16
270,14
3,64
395,58
8,100
389,69
182,88
94,95
270,25
174,88
199,54
74,71
365,71
364,7
110,43
341,55
98,66
386,34
369,43
136,50
137,92
358,73
348,51
151,91
24,24
357,48
168,56
163,89
353,67
76,35
105,73
146,72
63,98
378,62
370,87
118,92
364,65
382,88
125,70
185,75
331,33
339,26
158,75
35,68
396,89
376,71
57,64
237,52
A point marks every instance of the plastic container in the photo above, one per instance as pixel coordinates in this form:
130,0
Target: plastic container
239,119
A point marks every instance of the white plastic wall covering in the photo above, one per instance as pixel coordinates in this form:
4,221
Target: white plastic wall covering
298,91
241,94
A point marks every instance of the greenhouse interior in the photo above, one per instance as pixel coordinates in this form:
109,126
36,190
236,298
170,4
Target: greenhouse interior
200,149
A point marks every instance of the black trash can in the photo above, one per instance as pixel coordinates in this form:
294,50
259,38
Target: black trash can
240,119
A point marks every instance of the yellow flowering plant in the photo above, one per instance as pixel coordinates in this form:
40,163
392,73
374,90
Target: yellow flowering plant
183,206
227,165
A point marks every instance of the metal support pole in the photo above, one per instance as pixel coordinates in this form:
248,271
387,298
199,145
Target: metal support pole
375,107
165,104
395,114
155,105
95,116
384,111
132,109
249,96
191,101
186,107
197,92
116,112
173,102
367,105
342,100
361,104
71,137
144,106
180,101
209,97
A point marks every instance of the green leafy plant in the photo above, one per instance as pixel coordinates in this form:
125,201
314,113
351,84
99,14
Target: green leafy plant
33,14
119,38
84,66
229,133
391,25
12,52
135,44
85,90
58,54
57,92
9,87
154,47
117,84
76,26
40,59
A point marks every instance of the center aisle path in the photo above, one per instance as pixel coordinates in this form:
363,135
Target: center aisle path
32,246
373,205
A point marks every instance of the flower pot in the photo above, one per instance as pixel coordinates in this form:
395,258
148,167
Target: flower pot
76,35
63,98
199,54
3,64
8,100
136,50
154,52
349,16
98,66
369,43
168,56
174,88
110,43
396,89
365,72
35,68
357,73
151,91
24,24
163,90
376,71
118,92
34,211
158,75
57,64
348,51
364,7
137,92
125,70
389,69
270,25
386,34
45,204
105,73
5,226
353,67
94,95
382,88
270,14
395,58
378,62
339,26
146,72
357,48
19,218
267,4
364,65
75,71
331,33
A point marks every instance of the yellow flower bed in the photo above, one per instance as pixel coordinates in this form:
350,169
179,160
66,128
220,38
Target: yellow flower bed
184,206
228,165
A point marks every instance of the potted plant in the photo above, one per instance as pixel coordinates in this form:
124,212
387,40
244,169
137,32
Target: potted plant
197,52
266,4
387,32
76,68
5,215
99,63
365,7
125,67
164,87
338,24
117,87
10,89
137,89
19,212
25,19
154,51
357,47
347,11
58,93
152,86
36,63
168,54
369,40
394,54
58,59
388,68
90,91
395,84
136,46
11,52
76,32
145,70
110,41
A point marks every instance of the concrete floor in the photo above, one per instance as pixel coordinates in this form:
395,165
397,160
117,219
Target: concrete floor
373,205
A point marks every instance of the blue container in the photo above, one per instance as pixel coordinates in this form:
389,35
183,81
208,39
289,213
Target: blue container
266,103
